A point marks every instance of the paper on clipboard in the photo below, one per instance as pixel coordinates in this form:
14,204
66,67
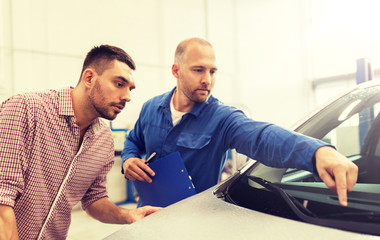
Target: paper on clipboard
171,183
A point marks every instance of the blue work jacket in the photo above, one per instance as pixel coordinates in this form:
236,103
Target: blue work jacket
204,135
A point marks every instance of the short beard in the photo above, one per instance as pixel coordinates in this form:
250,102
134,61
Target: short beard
97,101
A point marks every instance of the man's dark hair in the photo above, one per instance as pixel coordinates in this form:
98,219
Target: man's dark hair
100,57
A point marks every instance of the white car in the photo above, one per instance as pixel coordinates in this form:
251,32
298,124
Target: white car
259,202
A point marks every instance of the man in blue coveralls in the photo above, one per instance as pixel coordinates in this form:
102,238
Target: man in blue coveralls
190,120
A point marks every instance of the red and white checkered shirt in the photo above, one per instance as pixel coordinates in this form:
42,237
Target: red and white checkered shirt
44,171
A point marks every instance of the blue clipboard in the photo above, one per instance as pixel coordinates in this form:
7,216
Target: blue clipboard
171,183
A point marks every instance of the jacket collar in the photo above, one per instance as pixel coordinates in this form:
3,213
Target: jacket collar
195,111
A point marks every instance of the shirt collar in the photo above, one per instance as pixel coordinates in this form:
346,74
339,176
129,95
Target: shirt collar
65,104
195,111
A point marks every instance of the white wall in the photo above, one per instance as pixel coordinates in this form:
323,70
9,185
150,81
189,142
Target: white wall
258,47
272,60
269,52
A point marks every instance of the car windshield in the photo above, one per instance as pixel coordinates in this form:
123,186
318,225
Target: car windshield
351,124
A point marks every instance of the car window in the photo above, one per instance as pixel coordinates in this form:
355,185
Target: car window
349,136
352,125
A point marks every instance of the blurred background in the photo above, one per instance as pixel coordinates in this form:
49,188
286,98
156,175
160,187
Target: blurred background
277,59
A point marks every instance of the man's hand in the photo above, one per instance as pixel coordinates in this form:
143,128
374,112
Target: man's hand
336,171
136,169
141,212
106,211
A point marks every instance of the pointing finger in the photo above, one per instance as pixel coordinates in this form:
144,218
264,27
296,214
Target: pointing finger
341,186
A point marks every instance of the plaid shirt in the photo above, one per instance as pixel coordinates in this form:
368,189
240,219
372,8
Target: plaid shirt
44,171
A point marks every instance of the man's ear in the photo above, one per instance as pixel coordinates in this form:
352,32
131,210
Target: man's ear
88,77
175,69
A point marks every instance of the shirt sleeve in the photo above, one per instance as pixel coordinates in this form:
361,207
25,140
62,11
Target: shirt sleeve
269,144
16,132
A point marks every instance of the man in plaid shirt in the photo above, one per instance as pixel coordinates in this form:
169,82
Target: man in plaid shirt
56,151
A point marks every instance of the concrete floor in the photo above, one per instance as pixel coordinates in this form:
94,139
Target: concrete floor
84,227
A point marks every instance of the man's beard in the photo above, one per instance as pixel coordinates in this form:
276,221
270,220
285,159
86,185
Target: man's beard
98,102
196,97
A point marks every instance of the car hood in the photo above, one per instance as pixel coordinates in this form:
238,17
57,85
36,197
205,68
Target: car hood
203,216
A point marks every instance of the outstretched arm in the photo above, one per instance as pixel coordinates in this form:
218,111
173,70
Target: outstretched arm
336,171
106,211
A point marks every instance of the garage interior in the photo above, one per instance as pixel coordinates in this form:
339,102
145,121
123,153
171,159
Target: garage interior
277,60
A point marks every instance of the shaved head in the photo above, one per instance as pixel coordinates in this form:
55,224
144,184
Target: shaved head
182,46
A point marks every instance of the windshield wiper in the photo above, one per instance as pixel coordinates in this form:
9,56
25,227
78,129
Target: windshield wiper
293,203
306,215
222,189
366,216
